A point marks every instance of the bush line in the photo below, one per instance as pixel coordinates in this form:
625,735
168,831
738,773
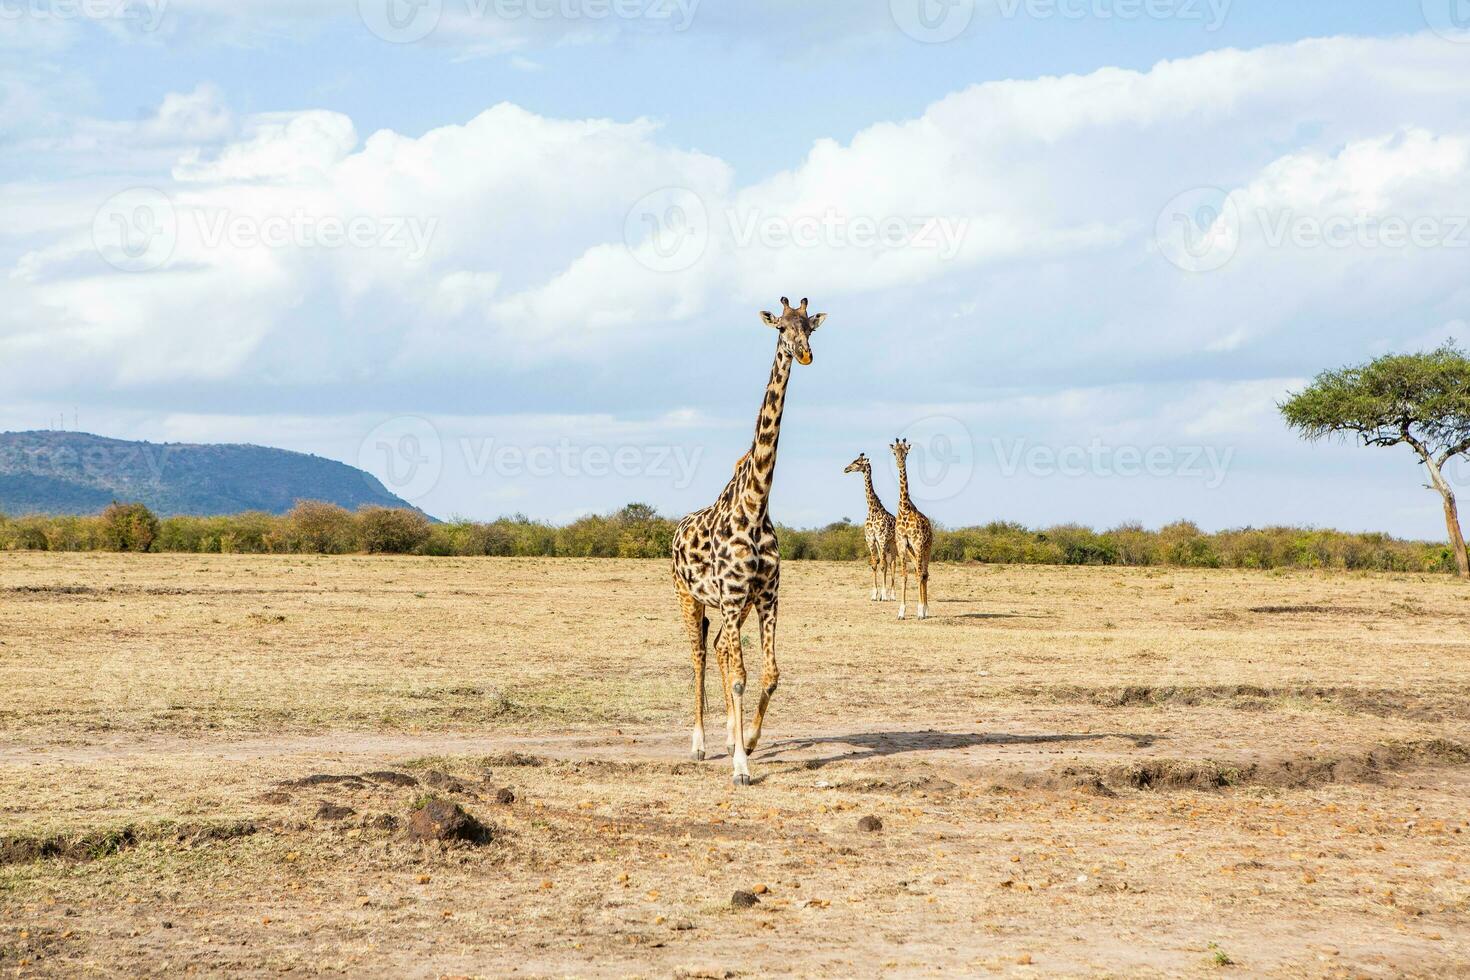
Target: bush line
636,531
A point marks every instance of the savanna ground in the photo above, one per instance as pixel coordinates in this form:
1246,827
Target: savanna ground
1077,771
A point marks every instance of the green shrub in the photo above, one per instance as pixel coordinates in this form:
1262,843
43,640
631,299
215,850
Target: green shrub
127,527
321,528
391,530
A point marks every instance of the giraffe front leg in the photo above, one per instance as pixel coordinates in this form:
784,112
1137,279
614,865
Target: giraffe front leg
735,682
874,563
771,674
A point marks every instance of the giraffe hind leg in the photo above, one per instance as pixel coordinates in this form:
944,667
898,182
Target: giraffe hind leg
696,624
903,561
923,586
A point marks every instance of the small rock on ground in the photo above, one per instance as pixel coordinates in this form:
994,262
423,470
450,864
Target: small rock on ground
870,823
743,900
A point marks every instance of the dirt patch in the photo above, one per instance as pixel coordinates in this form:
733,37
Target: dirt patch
46,591
1380,702
94,844
1294,772
1310,609
351,780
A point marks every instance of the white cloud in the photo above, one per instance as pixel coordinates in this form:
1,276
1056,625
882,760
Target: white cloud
517,264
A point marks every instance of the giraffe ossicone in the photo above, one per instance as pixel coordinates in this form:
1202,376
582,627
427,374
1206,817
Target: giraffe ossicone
726,559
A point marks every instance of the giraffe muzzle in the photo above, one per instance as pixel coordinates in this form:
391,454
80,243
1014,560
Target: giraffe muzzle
804,357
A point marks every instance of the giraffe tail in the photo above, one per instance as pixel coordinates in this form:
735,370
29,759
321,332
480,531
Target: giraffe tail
703,645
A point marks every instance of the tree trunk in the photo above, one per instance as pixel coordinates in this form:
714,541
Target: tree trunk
1451,518
1457,540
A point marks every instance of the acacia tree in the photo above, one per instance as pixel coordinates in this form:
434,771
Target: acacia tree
1419,400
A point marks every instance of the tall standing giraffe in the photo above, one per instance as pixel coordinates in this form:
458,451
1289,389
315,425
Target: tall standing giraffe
726,558
915,534
878,533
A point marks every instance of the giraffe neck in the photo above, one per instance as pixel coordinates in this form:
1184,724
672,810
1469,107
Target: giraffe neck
903,485
875,506
761,467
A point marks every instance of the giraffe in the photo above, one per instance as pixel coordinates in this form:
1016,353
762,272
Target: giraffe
914,533
878,532
726,558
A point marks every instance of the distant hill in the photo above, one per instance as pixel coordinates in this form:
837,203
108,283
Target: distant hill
78,473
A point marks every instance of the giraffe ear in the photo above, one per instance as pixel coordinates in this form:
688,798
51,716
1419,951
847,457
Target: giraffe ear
770,319
816,320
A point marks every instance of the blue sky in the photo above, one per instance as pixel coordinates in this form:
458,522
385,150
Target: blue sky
1076,251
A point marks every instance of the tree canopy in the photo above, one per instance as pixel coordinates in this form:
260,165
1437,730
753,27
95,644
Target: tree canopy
1419,399
1422,400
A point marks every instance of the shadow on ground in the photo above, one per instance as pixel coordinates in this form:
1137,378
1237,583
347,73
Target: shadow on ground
872,745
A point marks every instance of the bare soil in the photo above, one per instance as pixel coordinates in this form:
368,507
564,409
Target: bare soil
208,764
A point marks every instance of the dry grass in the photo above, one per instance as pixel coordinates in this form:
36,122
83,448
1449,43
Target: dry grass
1093,770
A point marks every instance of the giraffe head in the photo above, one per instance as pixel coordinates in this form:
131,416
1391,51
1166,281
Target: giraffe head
796,328
859,465
901,449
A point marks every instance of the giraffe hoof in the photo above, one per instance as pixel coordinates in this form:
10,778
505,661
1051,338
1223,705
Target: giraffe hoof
698,755
741,779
